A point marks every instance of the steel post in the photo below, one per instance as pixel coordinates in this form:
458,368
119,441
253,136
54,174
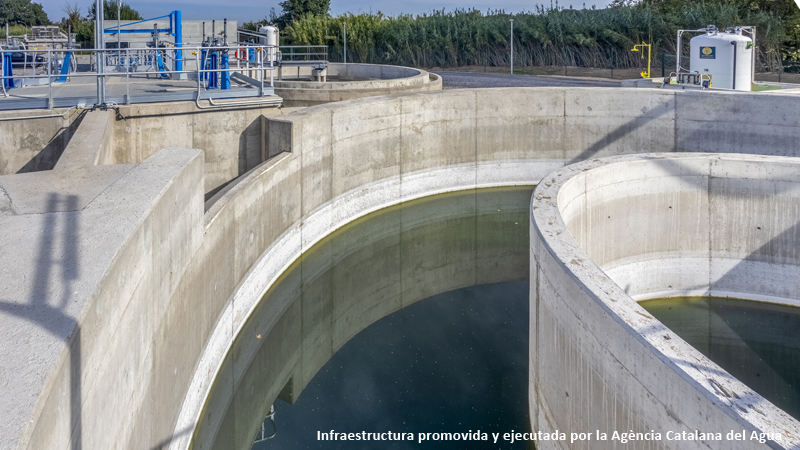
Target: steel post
512,46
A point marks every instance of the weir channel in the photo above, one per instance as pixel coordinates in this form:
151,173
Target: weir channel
455,362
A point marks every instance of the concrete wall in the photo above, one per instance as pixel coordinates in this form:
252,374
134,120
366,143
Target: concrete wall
233,139
95,248
331,164
365,80
31,145
358,156
357,276
608,231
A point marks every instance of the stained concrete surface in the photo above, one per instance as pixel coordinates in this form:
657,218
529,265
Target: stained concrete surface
606,232
170,327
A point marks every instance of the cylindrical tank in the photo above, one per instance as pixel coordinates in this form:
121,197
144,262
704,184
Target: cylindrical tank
726,57
270,40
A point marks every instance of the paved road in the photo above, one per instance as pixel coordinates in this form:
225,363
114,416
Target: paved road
463,80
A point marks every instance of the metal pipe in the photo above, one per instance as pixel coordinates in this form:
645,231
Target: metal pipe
49,77
3,72
345,42
127,77
734,64
512,46
38,117
268,101
100,43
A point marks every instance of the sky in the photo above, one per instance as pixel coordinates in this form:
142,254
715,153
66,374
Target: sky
254,10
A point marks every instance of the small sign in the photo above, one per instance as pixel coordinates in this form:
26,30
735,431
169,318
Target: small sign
708,53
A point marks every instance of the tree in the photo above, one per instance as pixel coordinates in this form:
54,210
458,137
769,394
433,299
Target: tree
22,12
271,19
110,11
297,8
81,26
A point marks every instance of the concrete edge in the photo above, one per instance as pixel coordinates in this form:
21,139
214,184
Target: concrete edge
700,372
58,369
92,142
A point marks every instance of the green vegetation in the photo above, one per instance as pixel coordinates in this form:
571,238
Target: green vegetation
83,26
13,30
22,12
293,9
599,38
110,11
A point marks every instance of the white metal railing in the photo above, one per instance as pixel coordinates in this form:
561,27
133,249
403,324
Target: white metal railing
255,62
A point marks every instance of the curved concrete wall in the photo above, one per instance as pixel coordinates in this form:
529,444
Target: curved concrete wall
608,231
356,81
359,156
342,161
362,273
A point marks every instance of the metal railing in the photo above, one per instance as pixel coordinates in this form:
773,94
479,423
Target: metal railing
303,55
251,66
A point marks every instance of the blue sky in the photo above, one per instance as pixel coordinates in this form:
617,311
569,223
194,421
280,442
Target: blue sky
245,10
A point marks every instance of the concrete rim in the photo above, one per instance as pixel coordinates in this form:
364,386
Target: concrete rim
710,380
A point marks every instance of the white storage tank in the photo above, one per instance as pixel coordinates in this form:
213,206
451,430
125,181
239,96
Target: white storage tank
726,57
271,40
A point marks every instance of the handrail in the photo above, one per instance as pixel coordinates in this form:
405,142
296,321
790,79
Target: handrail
129,61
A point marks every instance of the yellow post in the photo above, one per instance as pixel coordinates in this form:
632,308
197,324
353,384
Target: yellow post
635,49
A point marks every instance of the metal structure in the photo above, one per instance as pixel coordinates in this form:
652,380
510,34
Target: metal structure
512,46
686,76
209,73
636,49
240,72
289,56
174,29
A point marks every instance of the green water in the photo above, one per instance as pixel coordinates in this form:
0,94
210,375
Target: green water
756,342
412,319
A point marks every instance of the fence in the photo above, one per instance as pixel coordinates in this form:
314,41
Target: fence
66,78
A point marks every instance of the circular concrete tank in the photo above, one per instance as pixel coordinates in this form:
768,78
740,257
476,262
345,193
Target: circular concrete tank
351,81
610,231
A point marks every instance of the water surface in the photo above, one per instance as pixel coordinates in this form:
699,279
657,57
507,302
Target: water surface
412,319
756,342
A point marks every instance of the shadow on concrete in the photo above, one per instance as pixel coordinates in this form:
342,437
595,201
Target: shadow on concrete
47,158
624,130
250,154
40,309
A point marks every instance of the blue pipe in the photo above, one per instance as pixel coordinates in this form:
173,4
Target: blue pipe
176,16
65,67
225,77
8,71
213,77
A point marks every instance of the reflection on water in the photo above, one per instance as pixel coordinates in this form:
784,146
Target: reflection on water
454,362
461,363
756,342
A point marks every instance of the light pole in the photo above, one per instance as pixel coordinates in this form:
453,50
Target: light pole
119,10
512,46
345,42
